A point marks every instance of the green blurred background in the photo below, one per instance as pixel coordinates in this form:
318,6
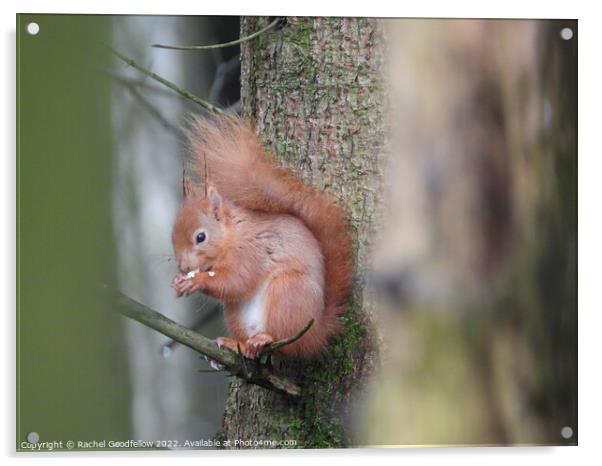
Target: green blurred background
100,154
71,369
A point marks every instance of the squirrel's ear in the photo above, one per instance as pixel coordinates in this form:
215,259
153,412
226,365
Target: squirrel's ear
187,186
215,201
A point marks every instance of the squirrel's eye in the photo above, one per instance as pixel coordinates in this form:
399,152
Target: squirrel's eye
200,237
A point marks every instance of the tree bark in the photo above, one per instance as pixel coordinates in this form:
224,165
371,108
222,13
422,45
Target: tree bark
314,90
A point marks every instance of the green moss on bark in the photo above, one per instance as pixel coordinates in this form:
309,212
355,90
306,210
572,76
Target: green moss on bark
314,91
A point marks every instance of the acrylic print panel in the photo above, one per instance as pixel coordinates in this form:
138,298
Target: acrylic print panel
406,278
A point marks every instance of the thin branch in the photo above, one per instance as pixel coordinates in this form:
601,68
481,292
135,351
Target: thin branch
203,318
236,364
265,356
141,82
184,93
131,87
287,341
222,45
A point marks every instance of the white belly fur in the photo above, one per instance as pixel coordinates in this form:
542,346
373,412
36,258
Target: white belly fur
252,312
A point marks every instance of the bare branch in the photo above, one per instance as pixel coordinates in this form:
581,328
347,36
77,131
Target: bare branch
203,318
184,93
236,364
241,40
287,341
131,86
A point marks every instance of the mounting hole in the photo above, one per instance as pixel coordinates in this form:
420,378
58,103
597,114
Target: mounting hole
32,29
566,33
32,437
566,432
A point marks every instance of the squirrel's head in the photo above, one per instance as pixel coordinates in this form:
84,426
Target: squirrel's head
199,229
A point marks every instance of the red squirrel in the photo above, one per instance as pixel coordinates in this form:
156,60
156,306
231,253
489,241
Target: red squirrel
275,251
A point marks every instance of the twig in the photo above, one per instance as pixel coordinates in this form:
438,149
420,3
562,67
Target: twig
141,82
222,45
287,341
250,370
265,356
184,93
131,87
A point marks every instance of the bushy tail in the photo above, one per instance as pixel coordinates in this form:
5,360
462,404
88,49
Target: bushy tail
231,155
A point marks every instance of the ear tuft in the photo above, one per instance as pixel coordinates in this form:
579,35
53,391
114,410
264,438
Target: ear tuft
188,189
215,201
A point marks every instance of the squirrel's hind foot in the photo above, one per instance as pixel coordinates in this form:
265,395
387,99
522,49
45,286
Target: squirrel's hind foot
255,344
251,348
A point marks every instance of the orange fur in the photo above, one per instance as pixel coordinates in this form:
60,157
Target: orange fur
279,250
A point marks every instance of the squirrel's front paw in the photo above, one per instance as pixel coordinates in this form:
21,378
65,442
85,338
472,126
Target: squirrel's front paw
185,285
177,279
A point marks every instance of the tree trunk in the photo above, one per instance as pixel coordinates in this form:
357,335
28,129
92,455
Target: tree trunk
481,249
314,90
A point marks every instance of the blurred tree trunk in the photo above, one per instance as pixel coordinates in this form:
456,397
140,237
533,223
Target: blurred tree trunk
168,395
482,248
314,90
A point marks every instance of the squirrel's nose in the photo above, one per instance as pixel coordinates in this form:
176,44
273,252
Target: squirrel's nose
182,267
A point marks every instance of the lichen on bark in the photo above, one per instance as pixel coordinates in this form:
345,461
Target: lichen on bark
313,89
